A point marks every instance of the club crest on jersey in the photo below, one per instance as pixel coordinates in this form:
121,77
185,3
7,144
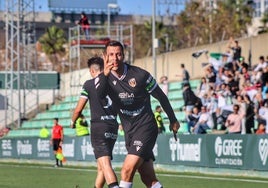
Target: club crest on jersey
132,82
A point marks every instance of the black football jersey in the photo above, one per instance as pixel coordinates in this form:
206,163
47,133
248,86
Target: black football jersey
131,96
101,108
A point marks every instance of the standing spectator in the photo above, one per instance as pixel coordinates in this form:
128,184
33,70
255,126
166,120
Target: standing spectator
190,99
234,120
184,75
130,88
210,76
249,124
104,127
237,50
56,139
159,119
264,78
164,84
81,126
242,111
83,22
213,109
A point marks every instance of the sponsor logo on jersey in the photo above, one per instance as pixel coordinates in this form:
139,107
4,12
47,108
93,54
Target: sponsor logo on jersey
132,82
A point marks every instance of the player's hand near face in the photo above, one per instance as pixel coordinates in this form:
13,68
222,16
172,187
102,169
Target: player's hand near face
107,65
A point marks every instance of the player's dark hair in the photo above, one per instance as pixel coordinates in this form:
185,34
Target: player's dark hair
95,61
115,43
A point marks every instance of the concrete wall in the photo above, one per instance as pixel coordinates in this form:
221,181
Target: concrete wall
169,63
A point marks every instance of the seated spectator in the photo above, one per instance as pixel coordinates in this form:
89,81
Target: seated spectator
261,129
204,122
262,64
192,119
262,116
234,121
164,84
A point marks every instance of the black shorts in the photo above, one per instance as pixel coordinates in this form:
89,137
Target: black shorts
141,141
103,137
56,144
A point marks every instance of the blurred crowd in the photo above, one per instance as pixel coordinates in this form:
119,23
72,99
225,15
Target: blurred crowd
232,96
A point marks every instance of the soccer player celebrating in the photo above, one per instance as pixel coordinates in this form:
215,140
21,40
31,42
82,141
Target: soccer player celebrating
104,126
130,88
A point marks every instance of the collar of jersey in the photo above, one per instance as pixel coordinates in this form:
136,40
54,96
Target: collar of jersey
124,73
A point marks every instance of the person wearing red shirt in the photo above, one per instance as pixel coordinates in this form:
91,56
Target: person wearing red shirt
84,23
56,139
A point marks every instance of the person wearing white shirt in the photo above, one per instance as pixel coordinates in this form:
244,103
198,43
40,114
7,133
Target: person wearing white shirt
204,123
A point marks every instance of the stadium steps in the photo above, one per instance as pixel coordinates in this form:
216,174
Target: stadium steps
63,111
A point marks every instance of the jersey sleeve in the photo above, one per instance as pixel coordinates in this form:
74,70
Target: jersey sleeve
102,85
85,91
164,102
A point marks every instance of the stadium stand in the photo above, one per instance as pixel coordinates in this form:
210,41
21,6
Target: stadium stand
63,111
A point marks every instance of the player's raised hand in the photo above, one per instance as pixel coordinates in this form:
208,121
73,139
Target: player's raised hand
107,65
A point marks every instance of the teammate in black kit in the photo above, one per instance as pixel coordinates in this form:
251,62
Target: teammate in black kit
130,88
104,126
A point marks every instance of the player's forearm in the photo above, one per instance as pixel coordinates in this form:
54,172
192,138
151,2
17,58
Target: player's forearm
164,102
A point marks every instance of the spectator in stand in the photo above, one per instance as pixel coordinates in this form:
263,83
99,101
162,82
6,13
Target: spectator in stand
258,103
234,86
261,129
236,49
210,75
84,23
190,99
164,84
262,64
56,139
184,75
213,109
264,77
265,90
249,124
203,87
204,122
192,118
263,115
242,111
234,120
256,77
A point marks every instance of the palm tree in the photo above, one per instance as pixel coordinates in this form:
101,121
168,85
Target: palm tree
264,21
52,44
